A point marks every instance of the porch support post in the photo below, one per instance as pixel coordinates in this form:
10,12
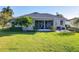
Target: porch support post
34,23
44,24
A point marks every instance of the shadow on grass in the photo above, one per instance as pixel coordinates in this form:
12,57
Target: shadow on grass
12,33
9,33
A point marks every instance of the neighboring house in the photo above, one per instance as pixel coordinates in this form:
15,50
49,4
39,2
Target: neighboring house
43,21
73,22
68,22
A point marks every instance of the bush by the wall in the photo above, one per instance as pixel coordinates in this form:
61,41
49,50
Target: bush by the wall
53,28
73,29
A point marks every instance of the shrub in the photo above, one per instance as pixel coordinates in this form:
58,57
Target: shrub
53,28
74,29
34,28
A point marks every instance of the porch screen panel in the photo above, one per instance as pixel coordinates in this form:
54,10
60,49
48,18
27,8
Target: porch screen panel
39,24
48,24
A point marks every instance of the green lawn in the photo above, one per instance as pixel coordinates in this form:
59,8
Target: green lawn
39,41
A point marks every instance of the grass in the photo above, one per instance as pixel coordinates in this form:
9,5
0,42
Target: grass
39,42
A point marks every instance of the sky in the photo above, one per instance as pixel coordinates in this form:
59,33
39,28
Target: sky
68,11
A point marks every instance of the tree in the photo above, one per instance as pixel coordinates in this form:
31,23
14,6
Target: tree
5,16
22,21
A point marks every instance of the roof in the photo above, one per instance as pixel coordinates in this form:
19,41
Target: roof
42,15
36,14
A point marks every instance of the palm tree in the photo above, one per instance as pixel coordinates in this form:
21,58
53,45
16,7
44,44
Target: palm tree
7,10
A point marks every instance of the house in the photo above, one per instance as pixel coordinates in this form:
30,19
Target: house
44,22
73,22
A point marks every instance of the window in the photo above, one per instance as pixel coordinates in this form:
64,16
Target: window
61,22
